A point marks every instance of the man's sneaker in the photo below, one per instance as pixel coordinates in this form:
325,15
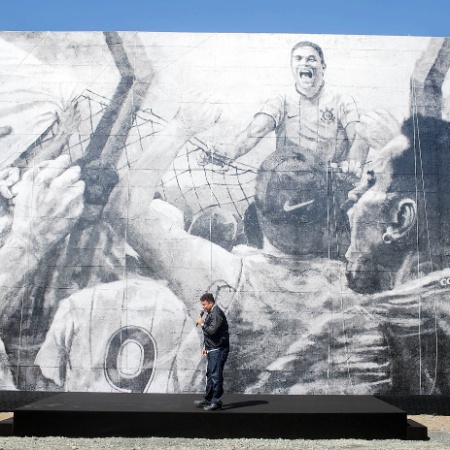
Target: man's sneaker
201,403
212,407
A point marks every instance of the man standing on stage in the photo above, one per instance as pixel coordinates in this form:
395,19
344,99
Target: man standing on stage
215,348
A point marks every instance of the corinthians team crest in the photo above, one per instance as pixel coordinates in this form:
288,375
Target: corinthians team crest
327,116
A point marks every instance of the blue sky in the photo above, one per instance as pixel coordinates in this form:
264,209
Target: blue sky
389,17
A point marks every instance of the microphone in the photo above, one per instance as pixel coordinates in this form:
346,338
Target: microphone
201,315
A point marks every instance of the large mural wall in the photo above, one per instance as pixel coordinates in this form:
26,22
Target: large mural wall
303,180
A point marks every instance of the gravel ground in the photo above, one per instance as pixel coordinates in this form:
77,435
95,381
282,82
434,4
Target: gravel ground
56,443
438,430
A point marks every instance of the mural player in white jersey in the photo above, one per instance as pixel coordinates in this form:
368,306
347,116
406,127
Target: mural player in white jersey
299,328
308,118
119,337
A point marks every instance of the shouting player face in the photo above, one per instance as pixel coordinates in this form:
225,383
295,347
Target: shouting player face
308,70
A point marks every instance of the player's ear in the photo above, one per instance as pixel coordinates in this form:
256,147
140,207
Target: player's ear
404,215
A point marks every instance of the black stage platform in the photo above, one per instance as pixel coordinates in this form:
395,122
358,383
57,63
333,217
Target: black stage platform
242,416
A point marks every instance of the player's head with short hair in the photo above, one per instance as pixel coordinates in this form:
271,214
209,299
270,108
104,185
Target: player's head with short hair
291,204
316,47
208,297
391,216
308,68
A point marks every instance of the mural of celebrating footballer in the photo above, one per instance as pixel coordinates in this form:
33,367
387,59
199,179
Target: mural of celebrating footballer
289,299
301,321
309,118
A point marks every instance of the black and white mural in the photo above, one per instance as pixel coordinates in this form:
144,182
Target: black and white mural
303,180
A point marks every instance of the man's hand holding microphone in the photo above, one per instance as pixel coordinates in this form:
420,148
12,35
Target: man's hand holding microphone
200,320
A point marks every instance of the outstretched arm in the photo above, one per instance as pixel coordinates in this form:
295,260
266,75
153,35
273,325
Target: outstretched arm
358,147
246,140
260,126
374,130
357,154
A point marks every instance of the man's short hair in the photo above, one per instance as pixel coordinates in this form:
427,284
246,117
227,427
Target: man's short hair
297,204
312,45
284,181
208,297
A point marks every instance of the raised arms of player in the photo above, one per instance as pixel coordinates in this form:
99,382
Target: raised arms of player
66,123
48,203
156,229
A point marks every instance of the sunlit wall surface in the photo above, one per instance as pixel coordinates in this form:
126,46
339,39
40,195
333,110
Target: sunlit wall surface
302,179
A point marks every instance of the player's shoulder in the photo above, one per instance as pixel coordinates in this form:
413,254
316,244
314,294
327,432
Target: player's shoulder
245,251
280,94
426,290
336,94
139,292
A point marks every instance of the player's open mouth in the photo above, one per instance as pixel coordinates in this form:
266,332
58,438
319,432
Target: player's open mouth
306,73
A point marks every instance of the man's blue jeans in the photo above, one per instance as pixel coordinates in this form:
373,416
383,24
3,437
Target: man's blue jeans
214,375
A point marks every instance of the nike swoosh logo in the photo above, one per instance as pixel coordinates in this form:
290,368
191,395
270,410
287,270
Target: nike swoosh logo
288,207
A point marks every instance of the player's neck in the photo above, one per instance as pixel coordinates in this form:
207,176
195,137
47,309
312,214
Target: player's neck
310,92
271,250
414,266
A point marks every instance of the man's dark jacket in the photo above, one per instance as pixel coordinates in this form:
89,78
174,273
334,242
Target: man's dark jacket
215,330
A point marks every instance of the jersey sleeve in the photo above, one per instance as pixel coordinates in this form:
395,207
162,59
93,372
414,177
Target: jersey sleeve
273,107
348,110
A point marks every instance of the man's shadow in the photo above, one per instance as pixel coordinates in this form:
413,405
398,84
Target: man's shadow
244,404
